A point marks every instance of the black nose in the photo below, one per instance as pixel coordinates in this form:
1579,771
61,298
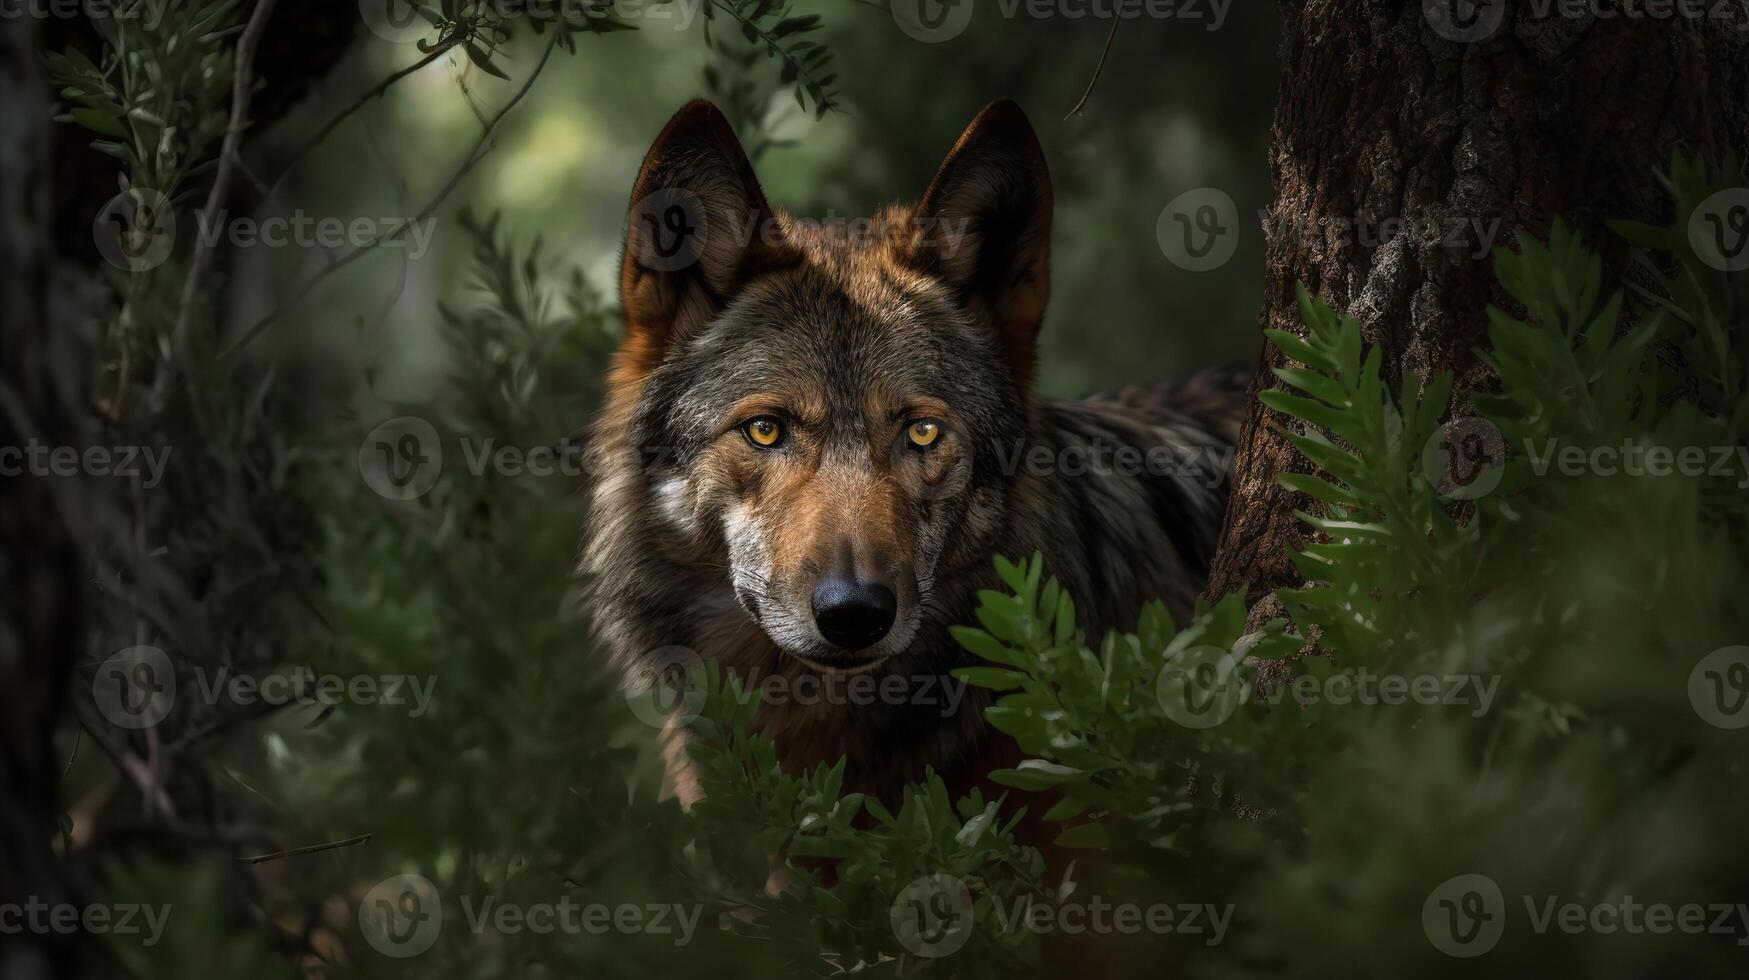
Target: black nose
853,615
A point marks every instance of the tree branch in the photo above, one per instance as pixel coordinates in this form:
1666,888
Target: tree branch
1098,68
242,81
475,155
375,91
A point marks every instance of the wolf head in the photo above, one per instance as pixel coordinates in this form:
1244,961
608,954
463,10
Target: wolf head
823,403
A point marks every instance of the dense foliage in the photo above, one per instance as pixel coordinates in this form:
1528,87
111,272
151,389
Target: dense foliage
1499,665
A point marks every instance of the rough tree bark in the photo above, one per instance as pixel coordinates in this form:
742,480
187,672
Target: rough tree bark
1383,115
46,240
39,564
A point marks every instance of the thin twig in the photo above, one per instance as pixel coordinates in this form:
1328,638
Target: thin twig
375,91
310,849
776,48
255,713
131,766
475,155
1097,69
77,734
241,83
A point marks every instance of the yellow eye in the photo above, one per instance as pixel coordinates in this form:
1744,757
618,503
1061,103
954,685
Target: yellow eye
764,432
923,433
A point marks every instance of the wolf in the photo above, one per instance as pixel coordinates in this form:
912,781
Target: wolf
816,437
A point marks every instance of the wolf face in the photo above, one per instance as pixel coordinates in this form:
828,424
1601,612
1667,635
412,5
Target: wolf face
815,439
830,401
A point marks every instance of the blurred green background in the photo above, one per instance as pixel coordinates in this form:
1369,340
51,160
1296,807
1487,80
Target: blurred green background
1177,106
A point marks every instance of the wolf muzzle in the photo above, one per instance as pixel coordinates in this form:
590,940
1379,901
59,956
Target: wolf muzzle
853,615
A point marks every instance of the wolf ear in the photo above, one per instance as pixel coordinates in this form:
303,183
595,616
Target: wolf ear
984,227
698,229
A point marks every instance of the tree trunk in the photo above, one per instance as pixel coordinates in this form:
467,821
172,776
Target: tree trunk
39,563
1398,110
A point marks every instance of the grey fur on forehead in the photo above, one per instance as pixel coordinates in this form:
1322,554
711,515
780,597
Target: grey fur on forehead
804,328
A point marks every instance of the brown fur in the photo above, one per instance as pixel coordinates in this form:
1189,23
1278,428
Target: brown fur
702,540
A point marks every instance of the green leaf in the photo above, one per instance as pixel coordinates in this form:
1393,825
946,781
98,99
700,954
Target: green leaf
1067,808
99,121
976,827
1037,774
1300,350
1090,836
1304,409
980,643
993,678
1318,489
478,56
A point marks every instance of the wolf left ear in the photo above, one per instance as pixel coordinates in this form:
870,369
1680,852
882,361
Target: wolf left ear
699,228
985,227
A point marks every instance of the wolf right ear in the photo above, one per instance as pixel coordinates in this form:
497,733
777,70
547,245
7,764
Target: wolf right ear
984,227
699,227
